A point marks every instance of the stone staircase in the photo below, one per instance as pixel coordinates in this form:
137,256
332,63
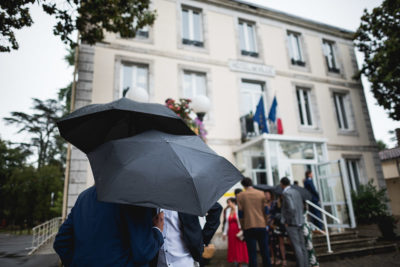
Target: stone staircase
347,244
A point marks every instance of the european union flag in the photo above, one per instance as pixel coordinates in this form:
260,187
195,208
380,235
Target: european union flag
259,116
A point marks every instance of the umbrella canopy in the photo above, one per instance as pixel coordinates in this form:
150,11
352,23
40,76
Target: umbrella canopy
93,125
156,169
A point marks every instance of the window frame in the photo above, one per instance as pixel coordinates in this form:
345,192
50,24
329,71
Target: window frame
246,52
300,48
190,41
331,46
193,73
135,65
302,109
340,99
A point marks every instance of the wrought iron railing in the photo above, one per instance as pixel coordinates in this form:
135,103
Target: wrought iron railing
44,232
324,231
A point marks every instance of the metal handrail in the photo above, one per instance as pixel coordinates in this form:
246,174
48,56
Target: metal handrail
44,232
324,221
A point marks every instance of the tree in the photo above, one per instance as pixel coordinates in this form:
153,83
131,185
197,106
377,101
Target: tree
381,145
90,18
64,94
378,38
42,126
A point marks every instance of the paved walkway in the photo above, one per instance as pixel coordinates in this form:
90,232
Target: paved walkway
379,260
14,251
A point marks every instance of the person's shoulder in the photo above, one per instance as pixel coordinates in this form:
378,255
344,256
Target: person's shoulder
90,192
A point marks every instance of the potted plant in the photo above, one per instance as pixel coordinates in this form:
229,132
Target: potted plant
370,207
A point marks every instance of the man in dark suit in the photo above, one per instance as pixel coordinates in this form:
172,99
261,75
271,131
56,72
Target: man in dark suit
107,234
309,185
185,239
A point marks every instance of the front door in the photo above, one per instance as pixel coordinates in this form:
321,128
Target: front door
334,190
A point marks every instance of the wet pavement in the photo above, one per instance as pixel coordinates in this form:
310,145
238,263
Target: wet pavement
14,251
378,260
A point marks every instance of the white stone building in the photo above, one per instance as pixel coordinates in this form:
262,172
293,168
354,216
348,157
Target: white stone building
234,53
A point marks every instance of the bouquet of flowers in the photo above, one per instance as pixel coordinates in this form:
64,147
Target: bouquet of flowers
182,109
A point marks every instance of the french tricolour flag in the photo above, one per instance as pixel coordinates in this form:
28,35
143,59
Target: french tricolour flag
274,116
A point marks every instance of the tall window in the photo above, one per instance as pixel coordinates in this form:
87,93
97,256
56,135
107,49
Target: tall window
192,28
304,104
330,57
353,172
194,83
295,49
340,100
250,93
134,76
247,35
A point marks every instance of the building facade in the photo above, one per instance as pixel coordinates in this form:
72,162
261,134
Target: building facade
235,53
390,159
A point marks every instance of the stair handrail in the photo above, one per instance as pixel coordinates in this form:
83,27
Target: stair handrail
322,211
324,221
43,233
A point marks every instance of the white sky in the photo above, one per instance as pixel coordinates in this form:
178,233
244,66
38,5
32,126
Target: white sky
38,70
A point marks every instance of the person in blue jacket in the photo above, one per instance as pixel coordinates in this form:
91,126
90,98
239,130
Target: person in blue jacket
107,234
309,185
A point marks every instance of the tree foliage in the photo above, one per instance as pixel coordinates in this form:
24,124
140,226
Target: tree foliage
378,38
370,203
381,145
28,196
41,125
90,17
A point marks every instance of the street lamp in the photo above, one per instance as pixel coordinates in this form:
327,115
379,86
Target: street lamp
201,105
138,94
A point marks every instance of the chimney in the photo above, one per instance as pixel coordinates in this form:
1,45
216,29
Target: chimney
397,131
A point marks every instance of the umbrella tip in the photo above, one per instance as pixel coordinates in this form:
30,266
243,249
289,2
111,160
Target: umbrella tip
125,91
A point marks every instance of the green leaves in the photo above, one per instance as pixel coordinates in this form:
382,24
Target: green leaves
91,18
378,38
370,204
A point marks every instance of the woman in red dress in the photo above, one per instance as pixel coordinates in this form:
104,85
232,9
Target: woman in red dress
237,250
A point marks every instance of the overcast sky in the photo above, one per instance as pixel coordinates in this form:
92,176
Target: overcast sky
38,69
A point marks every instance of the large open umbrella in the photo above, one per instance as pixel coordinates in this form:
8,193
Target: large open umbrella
156,169
93,125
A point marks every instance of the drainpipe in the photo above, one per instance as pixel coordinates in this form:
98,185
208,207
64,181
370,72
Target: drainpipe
68,163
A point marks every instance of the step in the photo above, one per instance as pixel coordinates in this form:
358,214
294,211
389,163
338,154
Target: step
357,252
335,237
351,252
345,244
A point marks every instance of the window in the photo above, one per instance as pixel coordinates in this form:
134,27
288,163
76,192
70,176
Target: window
133,77
353,172
295,49
250,93
142,33
330,57
194,83
247,37
340,100
304,104
192,29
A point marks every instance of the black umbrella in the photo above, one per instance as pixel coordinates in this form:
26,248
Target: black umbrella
156,169
93,125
